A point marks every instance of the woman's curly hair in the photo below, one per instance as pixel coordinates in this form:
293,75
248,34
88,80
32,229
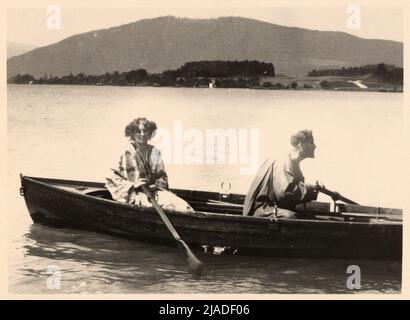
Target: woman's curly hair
301,136
132,127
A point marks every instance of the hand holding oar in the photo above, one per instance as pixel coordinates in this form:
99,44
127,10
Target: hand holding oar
194,265
334,195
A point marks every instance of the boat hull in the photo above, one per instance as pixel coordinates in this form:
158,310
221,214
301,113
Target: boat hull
59,203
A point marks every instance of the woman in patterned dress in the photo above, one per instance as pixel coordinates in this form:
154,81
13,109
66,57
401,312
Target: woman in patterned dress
141,163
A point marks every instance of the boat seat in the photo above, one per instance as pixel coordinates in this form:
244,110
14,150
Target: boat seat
102,193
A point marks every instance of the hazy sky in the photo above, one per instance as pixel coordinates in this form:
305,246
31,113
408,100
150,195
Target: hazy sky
28,26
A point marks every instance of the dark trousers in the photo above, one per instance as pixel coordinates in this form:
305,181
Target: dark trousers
269,211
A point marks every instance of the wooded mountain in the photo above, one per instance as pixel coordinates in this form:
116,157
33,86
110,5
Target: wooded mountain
167,43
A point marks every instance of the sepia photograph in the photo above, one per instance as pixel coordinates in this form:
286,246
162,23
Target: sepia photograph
212,148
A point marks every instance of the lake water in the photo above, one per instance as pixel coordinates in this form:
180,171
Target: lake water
76,132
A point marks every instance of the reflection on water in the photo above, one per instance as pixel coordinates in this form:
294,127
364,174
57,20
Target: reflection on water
97,263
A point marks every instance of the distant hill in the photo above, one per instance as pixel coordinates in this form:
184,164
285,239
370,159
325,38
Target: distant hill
14,48
167,43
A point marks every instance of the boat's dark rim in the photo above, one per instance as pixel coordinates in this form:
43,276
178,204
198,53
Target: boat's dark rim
54,184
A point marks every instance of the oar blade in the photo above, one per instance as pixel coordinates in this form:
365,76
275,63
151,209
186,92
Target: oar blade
194,264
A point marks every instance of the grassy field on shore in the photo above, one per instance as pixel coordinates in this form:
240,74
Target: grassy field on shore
335,82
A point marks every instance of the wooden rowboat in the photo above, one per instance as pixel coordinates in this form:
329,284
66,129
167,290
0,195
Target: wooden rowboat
326,230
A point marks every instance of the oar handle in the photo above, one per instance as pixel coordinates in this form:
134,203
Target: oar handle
335,195
194,264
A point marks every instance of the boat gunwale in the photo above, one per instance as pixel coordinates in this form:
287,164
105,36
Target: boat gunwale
53,184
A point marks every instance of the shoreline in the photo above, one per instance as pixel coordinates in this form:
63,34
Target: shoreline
345,89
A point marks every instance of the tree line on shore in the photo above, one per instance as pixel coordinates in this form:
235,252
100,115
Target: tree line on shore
385,72
219,73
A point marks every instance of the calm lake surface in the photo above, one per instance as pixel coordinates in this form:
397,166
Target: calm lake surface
76,132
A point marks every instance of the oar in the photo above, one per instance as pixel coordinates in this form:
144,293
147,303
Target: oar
194,265
335,195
